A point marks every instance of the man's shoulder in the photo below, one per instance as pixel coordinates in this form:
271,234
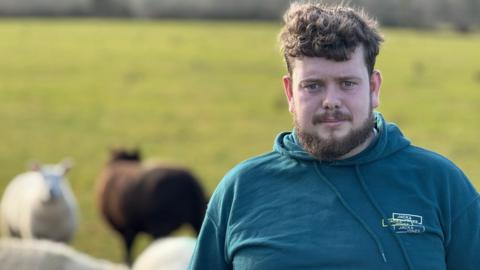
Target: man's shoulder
241,180
255,165
255,171
426,157
433,166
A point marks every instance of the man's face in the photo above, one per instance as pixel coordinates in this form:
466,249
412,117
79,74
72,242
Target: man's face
332,104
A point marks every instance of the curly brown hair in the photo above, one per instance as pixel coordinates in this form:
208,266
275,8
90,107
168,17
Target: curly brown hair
333,32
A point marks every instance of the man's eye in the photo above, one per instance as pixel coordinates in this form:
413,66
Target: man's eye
348,84
311,87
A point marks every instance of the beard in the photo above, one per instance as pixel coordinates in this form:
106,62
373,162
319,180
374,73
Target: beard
332,148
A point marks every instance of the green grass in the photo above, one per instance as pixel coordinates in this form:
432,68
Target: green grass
206,95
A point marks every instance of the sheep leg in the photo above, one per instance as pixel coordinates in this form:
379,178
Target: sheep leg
197,221
128,238
198,214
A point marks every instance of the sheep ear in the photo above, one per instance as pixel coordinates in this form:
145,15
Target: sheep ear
34,166
137,152
67,164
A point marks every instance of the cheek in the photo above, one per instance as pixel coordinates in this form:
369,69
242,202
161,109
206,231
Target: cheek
304,113
361,105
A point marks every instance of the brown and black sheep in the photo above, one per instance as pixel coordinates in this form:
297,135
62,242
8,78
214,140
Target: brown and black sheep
153,200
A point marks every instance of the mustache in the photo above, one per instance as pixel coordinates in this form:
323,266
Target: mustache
329,116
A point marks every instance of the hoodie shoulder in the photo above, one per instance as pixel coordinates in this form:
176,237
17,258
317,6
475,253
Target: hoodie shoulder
253,166
429,158
247,167
241,178
443,172
257,173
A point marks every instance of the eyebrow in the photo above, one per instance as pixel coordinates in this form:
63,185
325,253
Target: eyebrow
311,81
342,78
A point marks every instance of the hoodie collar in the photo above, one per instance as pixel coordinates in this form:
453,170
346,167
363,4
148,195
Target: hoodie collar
388,141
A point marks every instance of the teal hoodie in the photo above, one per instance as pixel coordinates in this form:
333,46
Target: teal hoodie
392,206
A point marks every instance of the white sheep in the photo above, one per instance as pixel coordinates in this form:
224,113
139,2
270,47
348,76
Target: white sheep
40,204
27,254
169,253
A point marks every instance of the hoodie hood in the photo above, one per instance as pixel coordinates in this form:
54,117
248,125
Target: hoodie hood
388,141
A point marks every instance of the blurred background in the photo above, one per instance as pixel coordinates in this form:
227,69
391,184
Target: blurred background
198,83
460,14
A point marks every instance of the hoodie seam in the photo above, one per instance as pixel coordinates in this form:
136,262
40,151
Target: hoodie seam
465,209
462,213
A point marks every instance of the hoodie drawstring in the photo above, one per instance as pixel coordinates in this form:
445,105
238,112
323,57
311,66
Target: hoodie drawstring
350,210
379,210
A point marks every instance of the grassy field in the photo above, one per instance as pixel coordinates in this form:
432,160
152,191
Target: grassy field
206,95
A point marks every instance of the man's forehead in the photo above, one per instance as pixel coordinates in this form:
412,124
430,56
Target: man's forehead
318,67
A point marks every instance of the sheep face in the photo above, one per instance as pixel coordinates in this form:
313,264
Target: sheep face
53,175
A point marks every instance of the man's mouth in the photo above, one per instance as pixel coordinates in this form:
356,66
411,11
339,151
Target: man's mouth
331,123
331,119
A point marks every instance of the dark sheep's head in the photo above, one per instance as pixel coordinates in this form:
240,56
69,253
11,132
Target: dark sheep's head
119,154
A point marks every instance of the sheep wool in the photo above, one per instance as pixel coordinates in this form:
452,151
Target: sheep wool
27,254
40,204
169,253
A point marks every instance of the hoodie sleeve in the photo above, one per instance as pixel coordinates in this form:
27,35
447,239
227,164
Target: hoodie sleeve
462,250
209,251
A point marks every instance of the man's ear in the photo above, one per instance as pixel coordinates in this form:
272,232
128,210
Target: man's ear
288,89
375,83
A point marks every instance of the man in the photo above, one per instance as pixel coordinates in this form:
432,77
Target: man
345,189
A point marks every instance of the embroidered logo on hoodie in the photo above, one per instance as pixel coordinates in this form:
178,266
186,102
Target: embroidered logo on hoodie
405,223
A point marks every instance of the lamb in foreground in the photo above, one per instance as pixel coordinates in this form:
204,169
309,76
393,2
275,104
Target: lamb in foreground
27,254
169,253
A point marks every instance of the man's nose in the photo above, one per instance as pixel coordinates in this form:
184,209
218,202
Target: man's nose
331,99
